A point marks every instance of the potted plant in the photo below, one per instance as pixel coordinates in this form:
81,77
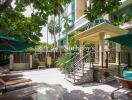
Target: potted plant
36,63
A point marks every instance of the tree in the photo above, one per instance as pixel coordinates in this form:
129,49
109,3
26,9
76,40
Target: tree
57,11
100,7
72,42
14,23
4,4
67,25
53,29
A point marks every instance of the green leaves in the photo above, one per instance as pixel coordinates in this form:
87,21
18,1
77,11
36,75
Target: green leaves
122,19
68,22
100,7
51,25
14,23
61,61
72,42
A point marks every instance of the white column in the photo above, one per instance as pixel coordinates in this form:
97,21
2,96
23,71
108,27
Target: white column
96,53
101,47
118,49
11,61
31,61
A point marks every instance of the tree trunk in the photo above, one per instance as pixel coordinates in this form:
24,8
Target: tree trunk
47,39
67,39
59,31
5,5
54,33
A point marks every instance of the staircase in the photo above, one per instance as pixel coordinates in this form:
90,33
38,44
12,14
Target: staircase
79,70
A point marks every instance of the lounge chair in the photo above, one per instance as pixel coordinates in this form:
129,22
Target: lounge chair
123,83
7,71
21,94
8,82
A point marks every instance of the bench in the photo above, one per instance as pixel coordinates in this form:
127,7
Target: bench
19,94
41,65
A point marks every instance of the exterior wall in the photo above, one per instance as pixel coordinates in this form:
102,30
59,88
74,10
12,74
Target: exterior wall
86,78
20,61
80,7
105,75
21,66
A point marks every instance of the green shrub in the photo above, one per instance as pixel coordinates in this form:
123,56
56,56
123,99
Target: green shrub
128,68
61,61
36,63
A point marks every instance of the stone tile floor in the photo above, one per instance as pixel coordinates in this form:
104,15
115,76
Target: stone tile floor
51,85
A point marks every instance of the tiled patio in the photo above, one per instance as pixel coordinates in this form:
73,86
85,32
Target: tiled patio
51,85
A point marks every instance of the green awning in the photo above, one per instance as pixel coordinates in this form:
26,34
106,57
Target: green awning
125,39
12,44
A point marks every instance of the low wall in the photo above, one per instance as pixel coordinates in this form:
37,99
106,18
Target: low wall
21,66
104,75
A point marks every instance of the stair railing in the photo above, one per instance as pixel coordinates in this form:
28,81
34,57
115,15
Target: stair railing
79,65
69,65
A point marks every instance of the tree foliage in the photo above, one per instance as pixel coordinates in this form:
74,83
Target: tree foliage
100,7
14,23
72,42
4,4
53,28
122,19
68,22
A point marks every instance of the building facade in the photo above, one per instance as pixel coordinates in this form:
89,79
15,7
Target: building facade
75,12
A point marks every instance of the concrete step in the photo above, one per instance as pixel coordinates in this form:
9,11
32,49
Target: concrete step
79,74
72,80
80,71
76,77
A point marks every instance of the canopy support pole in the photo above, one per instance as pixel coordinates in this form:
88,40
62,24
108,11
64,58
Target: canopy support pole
11,61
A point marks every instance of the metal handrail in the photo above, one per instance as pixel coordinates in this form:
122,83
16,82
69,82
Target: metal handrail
82,58
71,58
82,64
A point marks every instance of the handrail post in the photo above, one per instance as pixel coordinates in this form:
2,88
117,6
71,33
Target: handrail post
119,63
102,58
129,59
74,73
82,65
90,59
106,59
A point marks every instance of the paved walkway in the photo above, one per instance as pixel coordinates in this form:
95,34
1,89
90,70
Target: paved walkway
51,85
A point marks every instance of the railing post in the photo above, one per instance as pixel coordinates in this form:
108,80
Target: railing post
82,65
129,59
106,60
119,62
102,58
74,73
90,59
